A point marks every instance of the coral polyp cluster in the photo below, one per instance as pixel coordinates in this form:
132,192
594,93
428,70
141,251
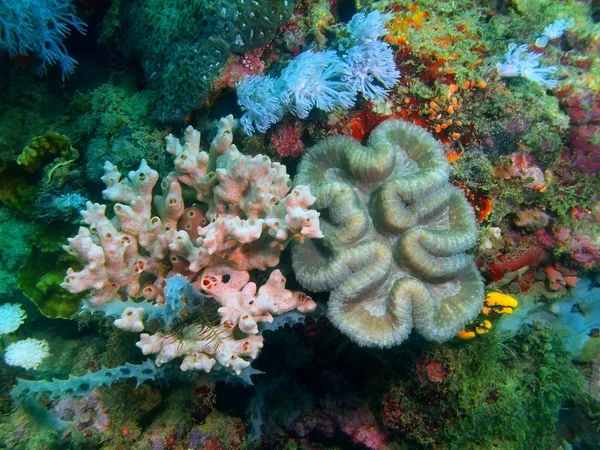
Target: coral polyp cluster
394,255
495,305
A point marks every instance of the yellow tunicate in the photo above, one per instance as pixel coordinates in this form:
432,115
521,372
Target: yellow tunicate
43,149
500,299
506,310
485,310
466,335
481,330
487,324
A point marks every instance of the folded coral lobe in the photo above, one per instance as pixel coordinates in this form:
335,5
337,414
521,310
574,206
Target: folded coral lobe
396,237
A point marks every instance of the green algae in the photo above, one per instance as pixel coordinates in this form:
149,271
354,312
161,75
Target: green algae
490,394
111,123
476,171
43,271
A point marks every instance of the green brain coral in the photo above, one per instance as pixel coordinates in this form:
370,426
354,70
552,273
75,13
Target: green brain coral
396,236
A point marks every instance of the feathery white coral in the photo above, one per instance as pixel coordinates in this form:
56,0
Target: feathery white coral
322,79
28,353
259,97
366,28
316,79
521,63
11,317
373,69
553,31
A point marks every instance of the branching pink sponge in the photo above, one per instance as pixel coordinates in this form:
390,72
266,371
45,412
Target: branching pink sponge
244,217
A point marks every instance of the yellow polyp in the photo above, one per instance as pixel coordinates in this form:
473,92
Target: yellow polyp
495,303
500,299
466,335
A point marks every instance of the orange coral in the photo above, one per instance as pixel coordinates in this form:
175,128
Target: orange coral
362,123
482,205
401,23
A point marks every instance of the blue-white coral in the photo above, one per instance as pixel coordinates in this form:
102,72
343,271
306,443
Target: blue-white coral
366,28
373,70
312,79
260,97
317,79
39,26
521,63
11,317
322,79
371,61
553,31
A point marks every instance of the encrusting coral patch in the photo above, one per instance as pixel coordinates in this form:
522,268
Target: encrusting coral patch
396,236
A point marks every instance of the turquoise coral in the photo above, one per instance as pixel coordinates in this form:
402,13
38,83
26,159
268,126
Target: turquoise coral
396,236
82,386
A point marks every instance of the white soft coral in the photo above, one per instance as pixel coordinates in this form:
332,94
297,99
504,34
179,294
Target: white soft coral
373,69
521,63
317,79
553,31
28,353
366,28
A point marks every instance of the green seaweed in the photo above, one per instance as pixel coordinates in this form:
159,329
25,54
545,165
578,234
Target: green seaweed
44,269
491,394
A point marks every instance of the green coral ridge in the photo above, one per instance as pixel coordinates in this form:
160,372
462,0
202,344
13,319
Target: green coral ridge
396,236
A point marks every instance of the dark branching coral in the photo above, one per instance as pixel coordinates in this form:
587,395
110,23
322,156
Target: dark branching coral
183,45
245,25
396,236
